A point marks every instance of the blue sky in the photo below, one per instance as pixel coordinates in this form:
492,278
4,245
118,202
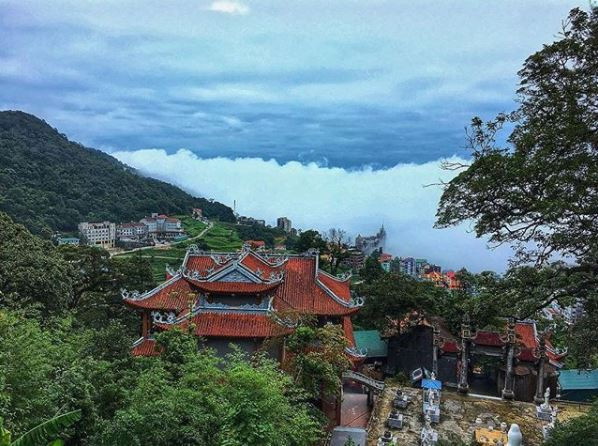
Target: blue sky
364,86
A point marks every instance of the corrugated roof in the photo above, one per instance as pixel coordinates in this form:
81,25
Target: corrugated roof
576,379
371,341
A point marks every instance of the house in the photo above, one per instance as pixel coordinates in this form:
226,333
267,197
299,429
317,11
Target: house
244,298
102,234
256,245
384,261
68,241
197,214
578,385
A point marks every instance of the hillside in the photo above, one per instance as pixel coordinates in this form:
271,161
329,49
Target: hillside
49,183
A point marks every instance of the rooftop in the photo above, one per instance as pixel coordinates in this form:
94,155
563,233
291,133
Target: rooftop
576,379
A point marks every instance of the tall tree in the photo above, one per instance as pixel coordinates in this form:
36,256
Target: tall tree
539,192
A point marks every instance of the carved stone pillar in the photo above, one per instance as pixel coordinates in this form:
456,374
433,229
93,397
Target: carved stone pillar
463,386
541,354
510,340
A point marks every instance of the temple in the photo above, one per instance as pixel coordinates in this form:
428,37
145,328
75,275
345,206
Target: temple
244,298
516,362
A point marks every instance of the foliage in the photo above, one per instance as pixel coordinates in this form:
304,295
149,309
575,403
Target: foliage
33,274
49,183
337,243
371,270
539,193
579,430
317,358
310,239
259,232
48,429
393,296
190,397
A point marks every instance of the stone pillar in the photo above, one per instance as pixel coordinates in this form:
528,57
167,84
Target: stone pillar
435,344
539,398
507,391
463,386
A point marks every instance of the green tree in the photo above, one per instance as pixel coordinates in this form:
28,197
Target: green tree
579,430
539,192
371,270
41,433
318,359
393,296
33,274
310,239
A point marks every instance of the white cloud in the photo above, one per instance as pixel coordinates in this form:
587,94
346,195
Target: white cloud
319,197
229,7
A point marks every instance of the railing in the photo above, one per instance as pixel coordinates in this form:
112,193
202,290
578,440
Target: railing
365,380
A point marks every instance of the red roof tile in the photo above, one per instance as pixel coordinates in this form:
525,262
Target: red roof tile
234,287
233,325
300,292
252,262
147,347
172,296
339,287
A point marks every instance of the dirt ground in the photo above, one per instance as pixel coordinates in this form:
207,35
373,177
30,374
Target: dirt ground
458,414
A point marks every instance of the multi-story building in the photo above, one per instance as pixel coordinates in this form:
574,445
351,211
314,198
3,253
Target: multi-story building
101,234
160,226
371,243
197,214
284,224
407,265
132,231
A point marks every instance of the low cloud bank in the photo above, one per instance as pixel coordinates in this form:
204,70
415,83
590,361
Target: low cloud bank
320,197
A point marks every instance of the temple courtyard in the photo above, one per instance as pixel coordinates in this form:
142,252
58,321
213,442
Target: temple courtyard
459,414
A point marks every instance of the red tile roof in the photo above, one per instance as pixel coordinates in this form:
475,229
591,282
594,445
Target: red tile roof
173,295
233,325
234,287
338,287
252,262
300,292
147,347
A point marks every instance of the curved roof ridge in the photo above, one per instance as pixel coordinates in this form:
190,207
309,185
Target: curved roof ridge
348,304
134,295
343,279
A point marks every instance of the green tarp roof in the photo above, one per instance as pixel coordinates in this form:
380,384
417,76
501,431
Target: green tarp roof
575,379
370,340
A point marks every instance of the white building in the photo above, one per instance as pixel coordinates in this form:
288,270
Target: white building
162,227
131,231
101,234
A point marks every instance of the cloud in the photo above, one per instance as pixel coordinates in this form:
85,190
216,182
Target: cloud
319,197
229,7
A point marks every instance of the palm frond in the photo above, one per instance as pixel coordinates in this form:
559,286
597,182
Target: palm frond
44,432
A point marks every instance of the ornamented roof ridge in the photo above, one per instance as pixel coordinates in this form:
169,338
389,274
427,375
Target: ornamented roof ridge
354,302
136,295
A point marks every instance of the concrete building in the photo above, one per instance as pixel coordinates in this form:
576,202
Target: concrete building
68,241
407,265
160,226
101,234
284,223
132,231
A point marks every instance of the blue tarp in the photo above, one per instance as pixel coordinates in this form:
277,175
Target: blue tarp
431,384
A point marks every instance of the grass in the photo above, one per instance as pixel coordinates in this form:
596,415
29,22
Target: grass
222,238
192,227
219,238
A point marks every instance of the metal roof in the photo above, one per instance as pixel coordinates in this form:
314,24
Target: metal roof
576,379
370,341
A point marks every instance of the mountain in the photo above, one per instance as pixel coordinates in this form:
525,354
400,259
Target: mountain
49,183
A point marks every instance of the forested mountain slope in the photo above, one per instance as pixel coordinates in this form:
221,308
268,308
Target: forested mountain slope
50,183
